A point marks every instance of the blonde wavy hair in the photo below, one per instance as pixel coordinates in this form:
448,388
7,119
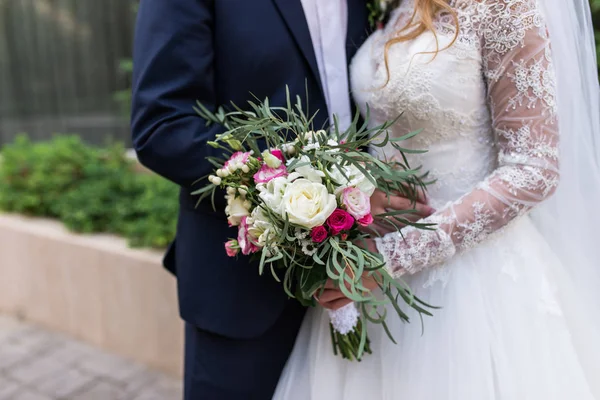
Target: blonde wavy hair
421,20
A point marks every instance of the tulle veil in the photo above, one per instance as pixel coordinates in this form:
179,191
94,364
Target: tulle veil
570,220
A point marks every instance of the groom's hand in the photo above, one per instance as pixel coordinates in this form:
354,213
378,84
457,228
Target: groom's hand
381,203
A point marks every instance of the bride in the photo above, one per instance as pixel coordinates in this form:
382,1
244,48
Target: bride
515,260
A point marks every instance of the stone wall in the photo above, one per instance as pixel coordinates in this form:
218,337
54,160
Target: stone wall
93,288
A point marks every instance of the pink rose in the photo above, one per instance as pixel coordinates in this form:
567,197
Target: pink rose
266,173
278,153
318,234
366,220
245,241
340,221
356,202
237,157
232,248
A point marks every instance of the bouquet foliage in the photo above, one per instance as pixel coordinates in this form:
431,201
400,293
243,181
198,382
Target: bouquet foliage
300,198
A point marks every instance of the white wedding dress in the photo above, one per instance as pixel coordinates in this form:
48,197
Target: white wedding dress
511,326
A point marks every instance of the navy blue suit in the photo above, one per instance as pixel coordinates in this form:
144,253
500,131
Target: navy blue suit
240,326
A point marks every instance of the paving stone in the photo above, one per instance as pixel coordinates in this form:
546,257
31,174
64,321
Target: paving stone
157,396
7,389
161,388
141,380
169,385
34,340
34,369
100,391
39,365
62,383
30,395
71,353
150,396
12,354
8,326
110,366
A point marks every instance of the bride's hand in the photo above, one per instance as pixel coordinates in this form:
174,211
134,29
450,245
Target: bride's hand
381,203
333,298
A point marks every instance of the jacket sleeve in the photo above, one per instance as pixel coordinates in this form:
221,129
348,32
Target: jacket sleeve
173,68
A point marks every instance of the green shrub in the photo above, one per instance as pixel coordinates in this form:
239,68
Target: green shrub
595,4
89,189
123,97
152,220
101,203
36,176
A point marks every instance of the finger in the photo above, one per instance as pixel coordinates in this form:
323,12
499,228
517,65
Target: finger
378,208
377,228
367,229
401,219
373,230
392,224
385,226
337,304
401,203
422,196
330,295
330,284
419,193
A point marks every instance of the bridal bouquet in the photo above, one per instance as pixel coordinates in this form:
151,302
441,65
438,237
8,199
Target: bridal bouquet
299,199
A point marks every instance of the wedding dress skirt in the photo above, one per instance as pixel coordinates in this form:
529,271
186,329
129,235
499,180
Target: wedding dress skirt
509,329
512,325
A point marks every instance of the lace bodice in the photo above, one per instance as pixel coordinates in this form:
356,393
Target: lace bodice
487,110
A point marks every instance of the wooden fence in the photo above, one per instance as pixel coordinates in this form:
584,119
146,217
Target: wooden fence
59,67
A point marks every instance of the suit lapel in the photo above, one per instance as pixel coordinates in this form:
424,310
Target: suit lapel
293,14
358,27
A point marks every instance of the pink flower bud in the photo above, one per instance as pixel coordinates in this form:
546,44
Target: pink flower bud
232,248
318,234
366,220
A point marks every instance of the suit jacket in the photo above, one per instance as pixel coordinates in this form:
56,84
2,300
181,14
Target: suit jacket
218,52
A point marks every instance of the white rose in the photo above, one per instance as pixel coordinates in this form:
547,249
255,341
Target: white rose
271,193
306,170
307,204
260,227
236,210
293,176
357,179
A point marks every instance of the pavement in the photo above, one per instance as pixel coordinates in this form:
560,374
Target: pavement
36,364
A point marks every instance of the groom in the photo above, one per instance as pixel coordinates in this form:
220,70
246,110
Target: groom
240,327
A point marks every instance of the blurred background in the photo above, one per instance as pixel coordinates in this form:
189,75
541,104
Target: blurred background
64,67
86,310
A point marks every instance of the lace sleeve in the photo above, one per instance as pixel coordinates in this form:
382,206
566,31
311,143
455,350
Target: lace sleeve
521,97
